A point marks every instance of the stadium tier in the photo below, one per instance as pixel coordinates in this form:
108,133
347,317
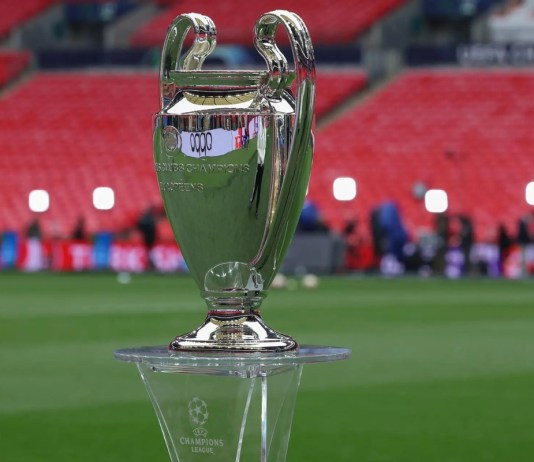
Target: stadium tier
68,133
15,12
12,63
334,87
235,21
468,132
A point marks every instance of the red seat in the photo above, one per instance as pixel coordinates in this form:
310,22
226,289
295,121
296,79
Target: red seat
334,87
95,130
15,12
82,140
468,132
329,22
12,63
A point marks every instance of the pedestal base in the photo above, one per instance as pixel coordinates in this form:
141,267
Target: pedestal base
235,332
225,407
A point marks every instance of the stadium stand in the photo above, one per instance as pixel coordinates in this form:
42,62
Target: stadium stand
465,131
74,133
513,22
235,21
15,12
79,131
12,63
336,86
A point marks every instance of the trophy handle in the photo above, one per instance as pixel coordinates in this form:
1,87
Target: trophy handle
171,59
303,56
301,148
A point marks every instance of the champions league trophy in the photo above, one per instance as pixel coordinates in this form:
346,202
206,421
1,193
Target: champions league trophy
233,153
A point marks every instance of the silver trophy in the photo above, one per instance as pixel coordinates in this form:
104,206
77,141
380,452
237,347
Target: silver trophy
233,152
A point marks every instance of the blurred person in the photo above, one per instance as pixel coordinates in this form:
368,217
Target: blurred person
79,233
504,243
33,231
467,239
523,234
391,223
377,233
35,259
390,237
352,242
442,228
523,239
310,219
147,226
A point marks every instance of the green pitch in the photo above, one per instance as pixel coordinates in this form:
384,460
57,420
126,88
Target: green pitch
441,370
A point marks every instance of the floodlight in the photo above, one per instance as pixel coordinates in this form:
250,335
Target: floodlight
436,201
344,188
103,198
39,200
529,193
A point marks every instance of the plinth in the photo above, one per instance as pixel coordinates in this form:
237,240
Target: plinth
225,407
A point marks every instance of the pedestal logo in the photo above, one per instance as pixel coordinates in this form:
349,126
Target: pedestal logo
198,416
198,412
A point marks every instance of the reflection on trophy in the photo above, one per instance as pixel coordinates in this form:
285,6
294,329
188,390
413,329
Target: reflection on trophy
233,153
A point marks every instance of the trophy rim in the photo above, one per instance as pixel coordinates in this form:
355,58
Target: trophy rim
228,79
160,359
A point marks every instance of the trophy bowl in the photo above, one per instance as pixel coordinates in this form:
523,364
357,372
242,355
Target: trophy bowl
233,152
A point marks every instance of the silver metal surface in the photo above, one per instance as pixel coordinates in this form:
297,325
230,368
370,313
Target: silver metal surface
233,153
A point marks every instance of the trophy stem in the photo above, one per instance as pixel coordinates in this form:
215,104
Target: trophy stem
234,330
233,299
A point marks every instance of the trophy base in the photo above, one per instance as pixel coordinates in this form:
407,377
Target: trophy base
234,331
225,407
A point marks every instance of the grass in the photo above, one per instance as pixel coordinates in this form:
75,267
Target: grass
441,370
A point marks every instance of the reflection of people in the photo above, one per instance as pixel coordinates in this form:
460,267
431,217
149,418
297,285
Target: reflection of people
262,143
257,187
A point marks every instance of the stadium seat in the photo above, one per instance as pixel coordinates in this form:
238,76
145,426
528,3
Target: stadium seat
467,132
335,86
84,131
15,12
328,22
79,131
12,63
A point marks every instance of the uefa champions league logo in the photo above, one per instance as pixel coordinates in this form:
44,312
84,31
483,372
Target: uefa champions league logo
198,412
200,443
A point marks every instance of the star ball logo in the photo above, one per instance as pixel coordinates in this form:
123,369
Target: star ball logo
200,443
172,140
198,412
